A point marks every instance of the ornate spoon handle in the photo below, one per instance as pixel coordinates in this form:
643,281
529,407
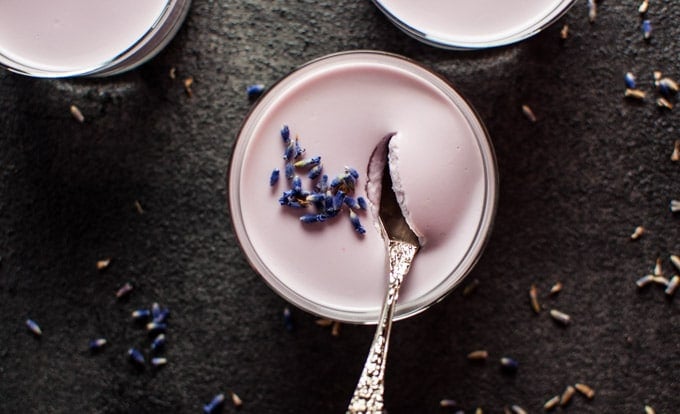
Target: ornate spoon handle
368,395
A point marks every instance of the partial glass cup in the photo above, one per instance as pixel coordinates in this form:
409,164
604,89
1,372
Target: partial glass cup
477,24
340,107
56,39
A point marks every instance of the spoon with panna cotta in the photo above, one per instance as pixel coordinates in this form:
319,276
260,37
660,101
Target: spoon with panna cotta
402,245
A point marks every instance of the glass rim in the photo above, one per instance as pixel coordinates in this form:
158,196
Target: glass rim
458,44
157,36
404,309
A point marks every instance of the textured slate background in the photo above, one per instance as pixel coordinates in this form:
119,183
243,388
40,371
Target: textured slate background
573,187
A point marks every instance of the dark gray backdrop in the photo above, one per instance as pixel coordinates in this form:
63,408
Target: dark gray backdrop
573,187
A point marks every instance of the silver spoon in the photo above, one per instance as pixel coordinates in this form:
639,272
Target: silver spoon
402,246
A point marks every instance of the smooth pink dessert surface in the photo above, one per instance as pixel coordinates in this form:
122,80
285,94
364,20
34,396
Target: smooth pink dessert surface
470,22
341,108
71,35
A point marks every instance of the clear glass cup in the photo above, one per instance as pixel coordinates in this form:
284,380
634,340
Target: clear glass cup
340,107
476,24
57,39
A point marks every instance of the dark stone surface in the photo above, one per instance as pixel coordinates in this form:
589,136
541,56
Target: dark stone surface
573,187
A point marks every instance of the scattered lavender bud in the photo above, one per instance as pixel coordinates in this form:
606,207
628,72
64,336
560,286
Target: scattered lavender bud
307,162
672,285
566,395
254,91
533,296
214,404
155,310
33,327
634,94
158,342
446,403
644,281
664,103
350,202
354,219
657,77
77,115
162,315
236,400
124,290
675,156
338,200
297,184
97,344
675,260
138,207
322,185
136,357
675,206
188,83
658,267
644,6
313,218
298,149
324,322
585,390
156,327
560,317
288,319
660,280
529,113
551,403
646,29
509,364
556,288
289,153
668,87
564,32
289,171
285,134
103,264
479,355
158,361
592,11
639,230
352,172
315,172
274,177
141,314
335,328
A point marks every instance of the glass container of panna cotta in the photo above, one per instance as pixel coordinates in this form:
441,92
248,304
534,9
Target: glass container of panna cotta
476,24
341,108
66,38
